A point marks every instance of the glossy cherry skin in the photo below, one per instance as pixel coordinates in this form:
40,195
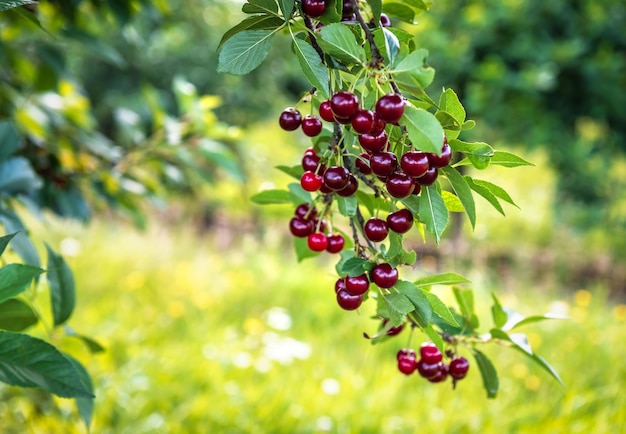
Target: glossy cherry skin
400,221
458,368
363,163
390,108
376,229
429,177
290,119
326,112
340,284
442,160
357,285
310,162
441,375
405,352
344,105
363,121
336,177
314,8
427,370
414,163
347,301
406,364
310,181
311,125
430,353
373,142
335,243
300,228
384,275
383,163
317,242
393,331
400,185
305,212
350,188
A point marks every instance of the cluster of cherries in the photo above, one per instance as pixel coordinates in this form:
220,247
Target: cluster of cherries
316,8
430,365
351,289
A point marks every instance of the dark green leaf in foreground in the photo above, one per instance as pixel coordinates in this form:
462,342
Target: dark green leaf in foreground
84,404
488,374
15,315
312,66
4,241
62,291
10,4
433,211
245,51
424,129
15,278
26,361
338,41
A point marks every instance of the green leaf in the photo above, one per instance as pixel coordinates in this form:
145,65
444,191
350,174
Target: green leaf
355,267
302,249
62,290
347,205
21,244
312,66
257,22
245,51
507,159
465,300
377,7
498,314
477,148
9,4
9,139
398,306
15,278
486,193
440,309
266,197
4,241
440,279
85,405
413,68
449,103
418,299
433,211
488,374
95,46
395,246
424,129
435,337
17,176
533,319
293,171
15,315
401,11
338,41
463,191
453,203
92,345
298,194
30,362
497,191
392,45
260,7
286,7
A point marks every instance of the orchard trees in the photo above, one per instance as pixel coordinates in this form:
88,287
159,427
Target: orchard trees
384,161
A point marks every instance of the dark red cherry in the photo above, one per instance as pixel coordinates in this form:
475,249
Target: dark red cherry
400,221
300,228
390,108
414,163
326,112
430,353
314,8
384,275
429,177
373,143
357,285
336,177
363,163
399,185
350,188
335,243
340,284
305,212
376,229
441,160
458,368
363,121
347,301
311,125
383,163
344,105
290,119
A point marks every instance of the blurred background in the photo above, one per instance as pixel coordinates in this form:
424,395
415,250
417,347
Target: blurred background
146,158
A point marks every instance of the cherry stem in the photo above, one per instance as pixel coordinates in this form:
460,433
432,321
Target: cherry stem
309,25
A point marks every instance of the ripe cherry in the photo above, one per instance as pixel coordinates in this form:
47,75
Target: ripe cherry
393,331
347,301
304,211
405,352
384,275
400,185
311,125
363,121
429,177
441,160
400,221
340,284
335,243
344,105
326,112
383,163
317,242
357,285
363,163
347,9
376,229
336,177
427,370
441,375
373,143
406,363
290,119
350,188
313,8
390,107
414,163
310,181
458,368
430,353
385,21
310,162
300,228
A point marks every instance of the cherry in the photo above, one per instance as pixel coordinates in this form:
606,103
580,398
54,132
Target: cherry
310,181
310,162
340,284
405,352
384,275
347,301
385,21
458,368
430,353
417,188
362,163
357,285
326,112
429,177
313,8
399,185
393,330
350,188
300,228
347,10
321,224
344,105
383,163
290,119
441,160
373,143
335,243
406,363
317,242
336,177
379,125
427,370
305,212
309,151
363,121
376,229
390,107
414,163
311,125
400,221
441,375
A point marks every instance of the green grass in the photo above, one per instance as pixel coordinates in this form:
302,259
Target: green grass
206,339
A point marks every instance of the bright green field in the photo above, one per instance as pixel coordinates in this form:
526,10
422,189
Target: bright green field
206,339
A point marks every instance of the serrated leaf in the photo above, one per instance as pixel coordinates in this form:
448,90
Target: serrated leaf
355,267
15,315
486,193
507,159
418,299
441,279
449,102
433,211
256,22
339,42
312,66
245,51
398,306
9,139
400,10
424,129
347,205
26,361
463,191
413,68
488,374
62,290
15,278
453,203
4,241
92,345
392,45
440,309
497,191
266,197
260,7
10,4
